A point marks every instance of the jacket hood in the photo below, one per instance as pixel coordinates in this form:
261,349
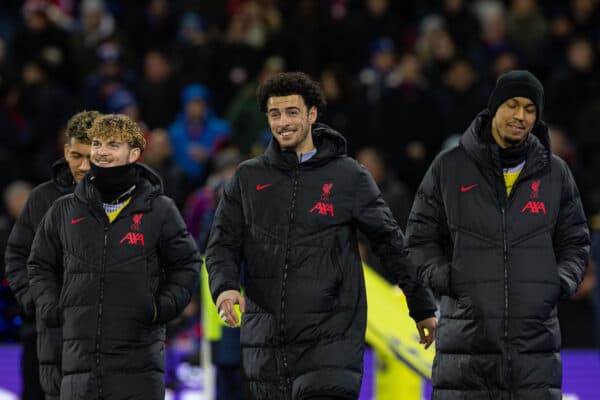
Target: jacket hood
487,156
149,186
330,144
62,177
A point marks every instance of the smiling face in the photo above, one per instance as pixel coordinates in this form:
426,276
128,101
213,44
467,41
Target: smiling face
77,155
113,152
291,122
513,121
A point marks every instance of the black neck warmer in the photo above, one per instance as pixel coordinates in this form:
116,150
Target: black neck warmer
513,155
113,183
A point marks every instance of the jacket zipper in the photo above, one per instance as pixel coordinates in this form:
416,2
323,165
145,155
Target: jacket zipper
100,304
286,382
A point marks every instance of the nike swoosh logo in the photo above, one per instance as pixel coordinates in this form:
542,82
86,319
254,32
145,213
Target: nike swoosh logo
261,187
467,188
77,220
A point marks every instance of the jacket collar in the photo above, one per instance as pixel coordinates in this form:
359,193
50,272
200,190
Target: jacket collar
62,177
486,155
330,144
149,185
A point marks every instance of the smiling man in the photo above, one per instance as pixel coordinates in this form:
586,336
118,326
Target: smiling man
113,263
290,217
498,230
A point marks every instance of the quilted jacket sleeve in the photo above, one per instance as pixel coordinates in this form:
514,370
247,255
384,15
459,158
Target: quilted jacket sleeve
375,220
571,237
223,253
17,252
181,263
44,269
427,235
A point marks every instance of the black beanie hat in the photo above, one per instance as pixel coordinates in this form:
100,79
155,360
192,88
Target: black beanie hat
517,83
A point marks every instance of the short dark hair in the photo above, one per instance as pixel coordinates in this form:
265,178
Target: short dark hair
290,83
79,125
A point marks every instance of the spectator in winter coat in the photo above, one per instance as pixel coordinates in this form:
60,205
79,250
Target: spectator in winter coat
290,217
197,133
66,173
498,230
113,263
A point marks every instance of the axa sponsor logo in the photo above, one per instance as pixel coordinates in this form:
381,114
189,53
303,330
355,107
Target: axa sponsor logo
134,238
534,206
324,206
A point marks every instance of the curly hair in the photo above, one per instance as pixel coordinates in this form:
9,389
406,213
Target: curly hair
79,125
118,125
290,83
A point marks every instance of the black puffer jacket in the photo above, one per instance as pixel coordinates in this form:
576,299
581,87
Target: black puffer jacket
101,281
501,265
293,227
49,340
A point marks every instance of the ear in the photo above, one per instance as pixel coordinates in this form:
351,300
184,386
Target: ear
312,115
66,150
134,154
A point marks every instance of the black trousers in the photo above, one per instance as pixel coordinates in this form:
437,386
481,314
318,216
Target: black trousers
30,370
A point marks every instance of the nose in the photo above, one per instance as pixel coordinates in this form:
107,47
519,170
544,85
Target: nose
520,113
85,164
101,150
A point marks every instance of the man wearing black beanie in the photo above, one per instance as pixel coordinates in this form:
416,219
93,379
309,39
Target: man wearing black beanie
112,263
497,229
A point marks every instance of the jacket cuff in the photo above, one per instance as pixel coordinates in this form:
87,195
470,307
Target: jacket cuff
418,317
222,288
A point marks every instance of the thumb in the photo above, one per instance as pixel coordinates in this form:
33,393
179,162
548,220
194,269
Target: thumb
242,303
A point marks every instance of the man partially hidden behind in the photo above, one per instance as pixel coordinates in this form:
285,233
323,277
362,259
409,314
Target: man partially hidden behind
112,263
66,173
497,228
290,217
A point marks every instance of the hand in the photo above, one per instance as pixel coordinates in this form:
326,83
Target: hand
427,328
225,303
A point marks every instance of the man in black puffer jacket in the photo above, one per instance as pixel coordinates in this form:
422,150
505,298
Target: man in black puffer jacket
290,218
112,263
65,174
497,228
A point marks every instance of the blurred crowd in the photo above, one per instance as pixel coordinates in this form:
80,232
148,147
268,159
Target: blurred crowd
403,79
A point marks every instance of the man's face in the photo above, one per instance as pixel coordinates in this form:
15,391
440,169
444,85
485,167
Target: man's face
113,152
513,121
77,155
290,122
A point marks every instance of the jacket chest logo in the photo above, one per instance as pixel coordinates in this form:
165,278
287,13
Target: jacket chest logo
534,206
324,206
134,238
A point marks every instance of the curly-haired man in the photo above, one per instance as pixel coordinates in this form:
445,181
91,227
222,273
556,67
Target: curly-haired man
113,263
290,217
